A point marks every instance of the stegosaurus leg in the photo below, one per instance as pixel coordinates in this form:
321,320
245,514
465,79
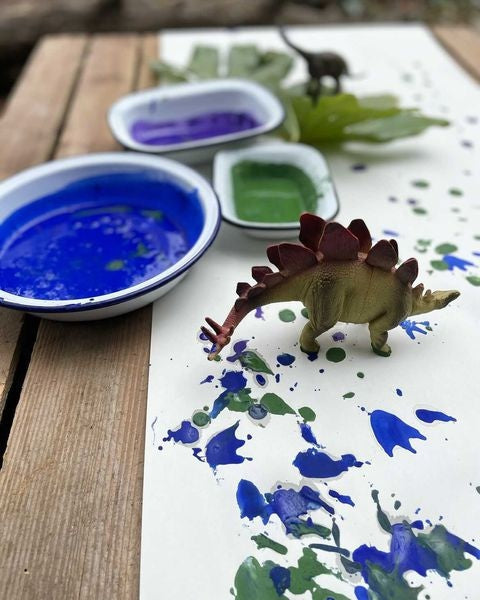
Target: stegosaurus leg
308,343
379,334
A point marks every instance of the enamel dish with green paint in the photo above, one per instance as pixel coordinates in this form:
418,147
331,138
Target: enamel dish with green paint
265,188
100,235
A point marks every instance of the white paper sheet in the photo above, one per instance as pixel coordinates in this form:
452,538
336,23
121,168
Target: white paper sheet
193,537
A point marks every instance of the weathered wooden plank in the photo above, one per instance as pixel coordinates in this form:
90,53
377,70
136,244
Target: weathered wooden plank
463,43
29,128
149,51
72,478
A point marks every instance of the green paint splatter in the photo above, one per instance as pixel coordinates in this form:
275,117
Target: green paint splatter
476,237
286,315
349,395
439,265
382,518
263,541
201,419
115,265
249,359
420,183
307,413
253,582
424,242
474,280
360,375
455,192
302,577
336,354
276,405
446,248
397,504
141,250
304,311
153,214
240,401
418,210
301,528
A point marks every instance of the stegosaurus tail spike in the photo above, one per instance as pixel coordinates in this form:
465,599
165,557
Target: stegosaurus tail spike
258,273
407,272
382,255
294,258
274,256
338,243
242,288
395,247
311,230
360,231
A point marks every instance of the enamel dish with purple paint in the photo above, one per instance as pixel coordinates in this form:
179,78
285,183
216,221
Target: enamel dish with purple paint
263,189
191,121
100,235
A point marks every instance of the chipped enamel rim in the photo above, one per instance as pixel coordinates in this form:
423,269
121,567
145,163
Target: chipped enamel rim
202,96
52,176
306,158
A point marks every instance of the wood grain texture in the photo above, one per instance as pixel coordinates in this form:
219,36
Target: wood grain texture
71,485
29,129
463,43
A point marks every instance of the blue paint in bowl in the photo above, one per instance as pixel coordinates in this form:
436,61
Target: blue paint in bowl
96,236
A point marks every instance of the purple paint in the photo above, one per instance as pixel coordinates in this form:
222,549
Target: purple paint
199,127
208,379
238,348
338,336
259,313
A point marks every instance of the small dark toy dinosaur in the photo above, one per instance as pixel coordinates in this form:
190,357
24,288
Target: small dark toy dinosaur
320,65
338,276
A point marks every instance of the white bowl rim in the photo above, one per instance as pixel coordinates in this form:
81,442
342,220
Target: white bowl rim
190,89
227,158
191,179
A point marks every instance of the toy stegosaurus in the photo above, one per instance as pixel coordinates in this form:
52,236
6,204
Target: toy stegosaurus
338,276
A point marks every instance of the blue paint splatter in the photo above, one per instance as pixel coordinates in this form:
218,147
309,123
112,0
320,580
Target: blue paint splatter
280,577
429,416
361,593
313,463
208,379
399,392
222,448
412,327
391,431
260,379
341,498
391,232
454,262
196,454
238,348
287,504
233,381
259,313
257,411
307,433
186,434
285,359
338,336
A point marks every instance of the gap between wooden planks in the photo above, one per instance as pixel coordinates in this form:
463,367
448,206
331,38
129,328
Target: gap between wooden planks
71,484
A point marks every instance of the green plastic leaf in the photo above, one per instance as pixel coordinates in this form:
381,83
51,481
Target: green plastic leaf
380,102
204,62
404,124
272,68
167,73
251,360
276,405
243,60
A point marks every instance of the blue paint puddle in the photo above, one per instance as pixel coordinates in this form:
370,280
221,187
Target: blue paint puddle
454,262
285,359
307,433
232,382
429,416
97,236
413,327
222,448
341,497
261,380
238,348
361,593
186,434
313,463
257,412
288,504
391,431
280,577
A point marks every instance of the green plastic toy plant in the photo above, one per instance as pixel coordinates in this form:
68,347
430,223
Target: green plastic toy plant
333,118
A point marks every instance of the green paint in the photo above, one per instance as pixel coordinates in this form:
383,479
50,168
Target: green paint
286,315
263,541
253,582
349,395
301,528
476,237
474,280
455,192
478,488
115,265
336,354
304,312
307,413
382,518
446,248
397,504
206,408
201,419
276,405
450,557
360,375
302,577
249,359
418,210
420,183
141,250
240,401
271,193
157,215
424,242
439,265
390,585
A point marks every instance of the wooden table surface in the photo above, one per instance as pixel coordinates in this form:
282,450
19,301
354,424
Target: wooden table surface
73,395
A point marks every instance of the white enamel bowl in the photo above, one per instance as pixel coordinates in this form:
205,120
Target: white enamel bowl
184,100
20,191
306,158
